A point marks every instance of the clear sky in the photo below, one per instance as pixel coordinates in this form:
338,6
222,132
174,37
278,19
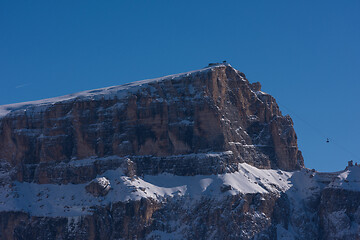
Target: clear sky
305,53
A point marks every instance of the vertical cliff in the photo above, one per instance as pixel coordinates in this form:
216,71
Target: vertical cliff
210,110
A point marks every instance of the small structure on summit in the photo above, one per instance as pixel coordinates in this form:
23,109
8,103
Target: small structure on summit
351,164
216,63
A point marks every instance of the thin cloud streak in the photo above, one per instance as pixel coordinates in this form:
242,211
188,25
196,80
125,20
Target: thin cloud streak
22,85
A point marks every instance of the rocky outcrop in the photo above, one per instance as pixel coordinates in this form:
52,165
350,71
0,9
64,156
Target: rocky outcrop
98,187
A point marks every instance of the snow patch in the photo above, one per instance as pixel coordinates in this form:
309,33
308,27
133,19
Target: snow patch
348,180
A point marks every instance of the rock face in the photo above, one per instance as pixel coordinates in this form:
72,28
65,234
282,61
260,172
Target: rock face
199,155
340,214
211,110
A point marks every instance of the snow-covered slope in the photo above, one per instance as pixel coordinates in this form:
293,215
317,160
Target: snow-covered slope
348,180
73,200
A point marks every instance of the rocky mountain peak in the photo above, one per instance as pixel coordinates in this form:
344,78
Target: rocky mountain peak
199,155
200,122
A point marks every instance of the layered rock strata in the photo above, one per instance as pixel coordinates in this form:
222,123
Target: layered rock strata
163,125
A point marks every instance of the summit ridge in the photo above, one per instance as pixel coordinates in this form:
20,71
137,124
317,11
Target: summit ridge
108,92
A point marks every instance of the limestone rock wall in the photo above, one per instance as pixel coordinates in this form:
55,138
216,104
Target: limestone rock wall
209,111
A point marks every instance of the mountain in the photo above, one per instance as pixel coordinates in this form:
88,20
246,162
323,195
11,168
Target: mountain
199,155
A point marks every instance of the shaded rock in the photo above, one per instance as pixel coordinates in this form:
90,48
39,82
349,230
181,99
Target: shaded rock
256,86
225,188
98,187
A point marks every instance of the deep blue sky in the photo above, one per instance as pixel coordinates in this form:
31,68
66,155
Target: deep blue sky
305,53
